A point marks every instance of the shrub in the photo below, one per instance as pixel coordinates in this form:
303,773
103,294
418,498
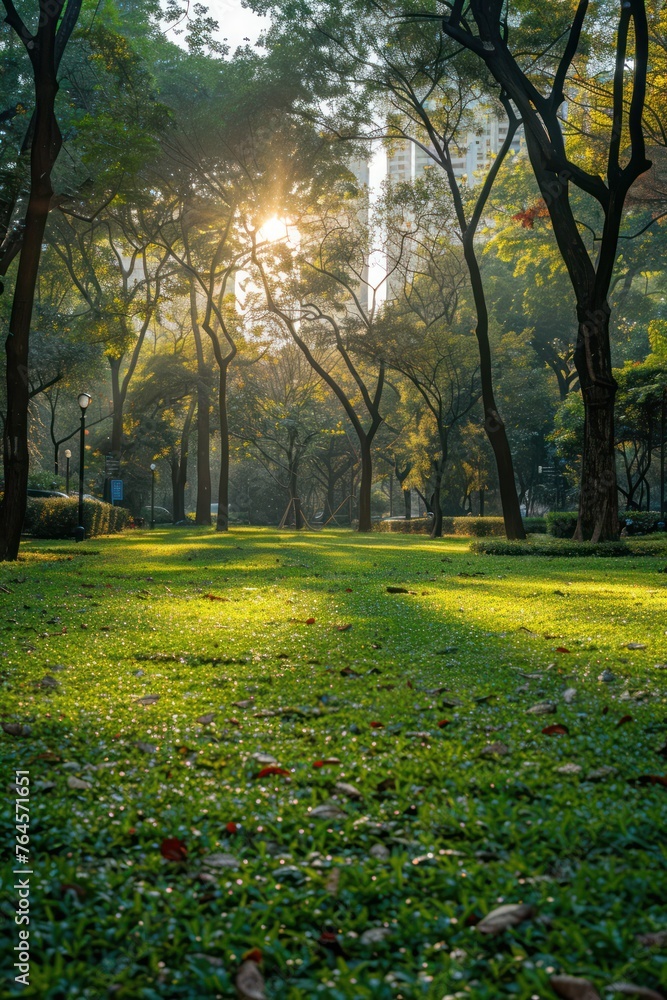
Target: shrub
561,523
535,525
58,517
642,520
416,525
567,548
480,527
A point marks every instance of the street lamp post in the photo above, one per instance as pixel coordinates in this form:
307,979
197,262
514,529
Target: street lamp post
83,400
68,455
153,467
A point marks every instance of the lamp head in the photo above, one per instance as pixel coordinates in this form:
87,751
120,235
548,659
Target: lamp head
153,466
68,453
84,399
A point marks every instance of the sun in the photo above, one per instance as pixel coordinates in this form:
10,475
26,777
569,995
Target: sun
273,230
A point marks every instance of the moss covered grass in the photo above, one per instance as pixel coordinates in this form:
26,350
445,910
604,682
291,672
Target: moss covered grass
453,801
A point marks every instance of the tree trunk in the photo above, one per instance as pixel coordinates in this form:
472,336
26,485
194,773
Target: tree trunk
179,481
223,483
407,500
365,485
45,147
295,500
203,513
118,405
436,529
493,422
598,499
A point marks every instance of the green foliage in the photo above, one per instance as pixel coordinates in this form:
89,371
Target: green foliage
58,517
413,526
478,527
561,523
571,550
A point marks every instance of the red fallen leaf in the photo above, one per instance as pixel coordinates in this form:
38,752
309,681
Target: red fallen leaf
348,590
377,725
605,709
233,722
231,827
310,621
623,720
266,772
330,941
443,723
318,763
173,849
410,685
343,628
132,830
214,597
562,649
254,955
472,920
650,779
326,761
556,730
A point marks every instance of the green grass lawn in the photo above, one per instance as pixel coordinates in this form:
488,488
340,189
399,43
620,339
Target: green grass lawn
453,799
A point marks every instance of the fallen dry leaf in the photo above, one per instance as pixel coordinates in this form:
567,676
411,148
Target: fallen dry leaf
632,990
351,791
249,982
573,988
266,772
397,590
77,784
622,721
374,935
503,917
310,621
653,939
148,699
332,882
650,779
328,810
219,860
15,729
494,748
173,849
556,730
343,628
204,720
542,708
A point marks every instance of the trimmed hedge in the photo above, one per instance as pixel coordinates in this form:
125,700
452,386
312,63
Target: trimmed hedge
414,526
642,520
567,548
561,523
58,517
477,527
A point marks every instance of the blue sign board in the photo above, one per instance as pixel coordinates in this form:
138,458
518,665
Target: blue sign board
116,490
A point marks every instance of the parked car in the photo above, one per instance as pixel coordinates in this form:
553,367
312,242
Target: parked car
46,493
162,515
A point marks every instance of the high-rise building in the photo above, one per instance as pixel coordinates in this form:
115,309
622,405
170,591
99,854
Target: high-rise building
406,161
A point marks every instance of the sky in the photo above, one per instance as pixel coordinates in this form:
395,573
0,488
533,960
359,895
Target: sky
236,22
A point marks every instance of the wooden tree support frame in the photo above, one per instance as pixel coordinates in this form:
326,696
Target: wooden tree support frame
295,505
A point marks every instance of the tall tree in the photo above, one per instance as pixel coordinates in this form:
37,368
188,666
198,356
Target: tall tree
44,48
533,73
